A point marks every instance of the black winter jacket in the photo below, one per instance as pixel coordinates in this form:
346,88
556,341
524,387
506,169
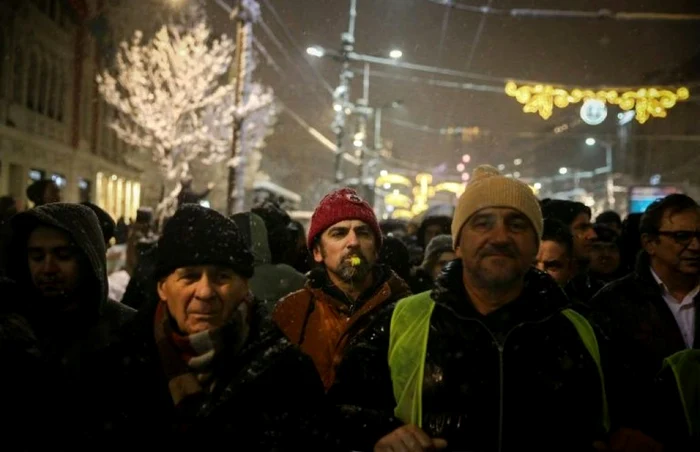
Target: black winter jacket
517,379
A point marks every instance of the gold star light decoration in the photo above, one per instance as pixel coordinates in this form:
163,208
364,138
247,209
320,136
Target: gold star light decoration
647,102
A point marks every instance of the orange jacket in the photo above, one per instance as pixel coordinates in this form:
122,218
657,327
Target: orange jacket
322,325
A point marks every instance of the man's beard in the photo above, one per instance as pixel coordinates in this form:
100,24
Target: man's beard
353,274
498,279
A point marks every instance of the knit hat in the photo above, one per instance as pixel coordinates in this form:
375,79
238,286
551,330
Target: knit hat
196,235
488,188
107,223
340,205
439,244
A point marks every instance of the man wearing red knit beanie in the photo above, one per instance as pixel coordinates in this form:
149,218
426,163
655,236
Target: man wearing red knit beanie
347,289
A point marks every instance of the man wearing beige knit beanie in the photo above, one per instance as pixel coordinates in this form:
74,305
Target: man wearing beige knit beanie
491,358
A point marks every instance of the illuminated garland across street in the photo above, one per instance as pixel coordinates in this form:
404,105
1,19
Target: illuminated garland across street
647,102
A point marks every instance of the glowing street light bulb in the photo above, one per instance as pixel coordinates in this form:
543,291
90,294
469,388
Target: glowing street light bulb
315,51
465,177
563,171
395,54
590,141
460,167
466,158
518,162
538,186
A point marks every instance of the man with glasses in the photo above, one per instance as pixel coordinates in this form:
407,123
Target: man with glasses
651,314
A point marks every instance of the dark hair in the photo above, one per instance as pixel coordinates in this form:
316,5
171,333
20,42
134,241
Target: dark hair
107,224
279,236
562,210
556,231
394,254
608,218
673,204
35,192
606,235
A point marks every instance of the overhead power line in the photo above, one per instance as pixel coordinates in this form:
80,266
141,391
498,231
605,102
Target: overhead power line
537,13
296,45
435,82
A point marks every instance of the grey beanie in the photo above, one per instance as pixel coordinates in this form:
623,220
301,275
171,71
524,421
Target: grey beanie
439,244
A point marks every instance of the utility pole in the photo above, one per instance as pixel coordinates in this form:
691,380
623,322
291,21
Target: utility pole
244,14
341,95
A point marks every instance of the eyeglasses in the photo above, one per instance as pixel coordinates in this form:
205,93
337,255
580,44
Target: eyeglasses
681,237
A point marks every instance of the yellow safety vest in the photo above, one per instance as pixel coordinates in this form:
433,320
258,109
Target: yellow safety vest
408,342
685,366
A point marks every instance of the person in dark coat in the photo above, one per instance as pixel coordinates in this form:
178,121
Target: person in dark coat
58,260
394,254
43,191
492,359
203,362
107,224
25,389
651,314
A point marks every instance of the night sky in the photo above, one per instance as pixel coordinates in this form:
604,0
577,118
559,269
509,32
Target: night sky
581,52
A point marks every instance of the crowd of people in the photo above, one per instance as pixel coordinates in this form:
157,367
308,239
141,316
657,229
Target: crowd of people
512,324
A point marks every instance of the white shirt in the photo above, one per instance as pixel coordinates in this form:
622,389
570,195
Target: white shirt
684,312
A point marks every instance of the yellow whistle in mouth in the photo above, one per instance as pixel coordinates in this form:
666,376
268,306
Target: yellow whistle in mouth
355,261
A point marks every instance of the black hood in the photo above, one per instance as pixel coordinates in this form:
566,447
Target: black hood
81,224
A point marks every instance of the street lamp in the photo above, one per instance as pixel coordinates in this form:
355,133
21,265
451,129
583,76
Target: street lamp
395,54
563,170
610,184
315,51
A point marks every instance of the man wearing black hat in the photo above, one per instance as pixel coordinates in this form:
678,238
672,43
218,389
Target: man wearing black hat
200,360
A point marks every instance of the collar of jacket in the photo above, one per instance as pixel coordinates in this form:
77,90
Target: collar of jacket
642,272
540,298
384,279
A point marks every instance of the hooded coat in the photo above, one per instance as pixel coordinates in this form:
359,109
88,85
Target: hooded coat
270,282
69,337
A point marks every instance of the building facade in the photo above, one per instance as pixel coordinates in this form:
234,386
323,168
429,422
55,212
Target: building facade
53,123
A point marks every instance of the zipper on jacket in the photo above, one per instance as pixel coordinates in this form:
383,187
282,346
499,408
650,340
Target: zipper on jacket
501,372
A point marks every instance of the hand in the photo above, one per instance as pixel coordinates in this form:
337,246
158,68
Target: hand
629,440
409,438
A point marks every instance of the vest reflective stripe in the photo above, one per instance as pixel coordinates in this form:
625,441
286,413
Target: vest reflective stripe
408,344
685,366
587,335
